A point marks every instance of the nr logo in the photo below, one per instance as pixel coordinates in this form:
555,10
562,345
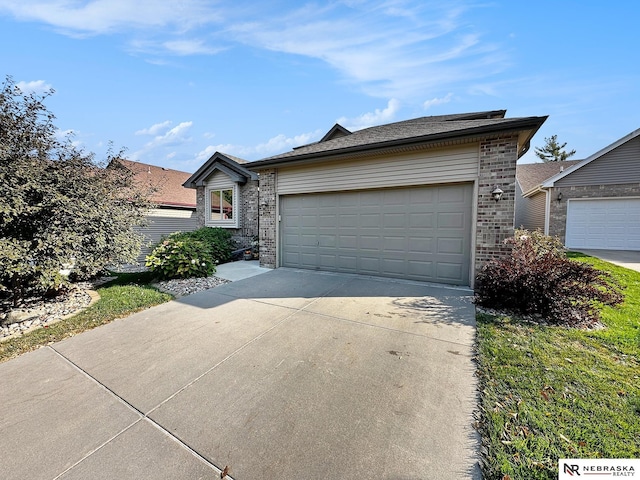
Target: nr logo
572,469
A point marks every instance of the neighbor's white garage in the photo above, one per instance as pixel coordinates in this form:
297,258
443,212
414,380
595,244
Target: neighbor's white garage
606,223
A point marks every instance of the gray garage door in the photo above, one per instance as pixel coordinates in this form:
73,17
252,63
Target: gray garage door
413,233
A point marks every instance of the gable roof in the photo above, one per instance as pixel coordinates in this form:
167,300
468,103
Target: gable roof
227,164
336,131
410,134
551,181
530,176
166,183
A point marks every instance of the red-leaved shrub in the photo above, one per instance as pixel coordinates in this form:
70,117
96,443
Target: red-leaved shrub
537,278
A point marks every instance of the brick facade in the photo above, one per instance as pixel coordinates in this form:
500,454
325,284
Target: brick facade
495,220
247,209
558,210
268,218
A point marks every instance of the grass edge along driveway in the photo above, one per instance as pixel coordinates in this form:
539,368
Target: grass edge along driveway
552,392
126,294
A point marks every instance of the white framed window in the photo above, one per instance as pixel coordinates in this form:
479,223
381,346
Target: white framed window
222,206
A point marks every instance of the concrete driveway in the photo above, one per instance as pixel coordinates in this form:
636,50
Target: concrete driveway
289,375
624,258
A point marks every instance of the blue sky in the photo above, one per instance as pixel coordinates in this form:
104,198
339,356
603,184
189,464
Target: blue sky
174,81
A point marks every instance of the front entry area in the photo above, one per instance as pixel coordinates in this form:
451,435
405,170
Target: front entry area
417,233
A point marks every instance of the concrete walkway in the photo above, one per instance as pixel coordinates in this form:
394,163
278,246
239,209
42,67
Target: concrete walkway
624,258
287,374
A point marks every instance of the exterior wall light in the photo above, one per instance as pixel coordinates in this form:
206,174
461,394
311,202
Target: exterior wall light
559,198
497,193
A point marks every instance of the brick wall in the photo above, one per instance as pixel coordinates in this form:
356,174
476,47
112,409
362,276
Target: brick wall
247,209
268,218
558,210
200,204
248,214
495,220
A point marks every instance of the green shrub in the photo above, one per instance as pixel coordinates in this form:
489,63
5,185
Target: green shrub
191,254
538,279
174,258
218,240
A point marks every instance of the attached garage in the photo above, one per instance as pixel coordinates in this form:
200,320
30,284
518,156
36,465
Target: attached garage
418,233
428,199
609,224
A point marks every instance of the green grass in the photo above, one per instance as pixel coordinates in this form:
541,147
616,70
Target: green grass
127,294
553,392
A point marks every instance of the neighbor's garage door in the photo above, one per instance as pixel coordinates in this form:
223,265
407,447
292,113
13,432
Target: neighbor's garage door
413,233
609,224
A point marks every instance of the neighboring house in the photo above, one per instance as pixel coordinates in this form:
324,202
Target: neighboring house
590,204
411,199
227,194
175,205
531,209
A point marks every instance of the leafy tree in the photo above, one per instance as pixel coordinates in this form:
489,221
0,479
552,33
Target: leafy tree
57,205
552,151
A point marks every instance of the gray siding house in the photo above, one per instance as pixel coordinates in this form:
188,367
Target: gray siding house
531,208
412,199
175,208
589,204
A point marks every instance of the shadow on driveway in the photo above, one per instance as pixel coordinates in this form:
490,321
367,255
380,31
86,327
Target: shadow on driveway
290,374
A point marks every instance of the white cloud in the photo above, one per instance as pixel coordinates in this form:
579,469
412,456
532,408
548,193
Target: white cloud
390,49
205,154
278,144
370,119
437,101
175,136
164,137
94,17
154,129
190,47
35,86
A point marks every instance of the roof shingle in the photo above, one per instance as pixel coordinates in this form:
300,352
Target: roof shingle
530,175
167,184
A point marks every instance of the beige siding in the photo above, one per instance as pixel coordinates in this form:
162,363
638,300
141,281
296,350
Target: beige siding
162,222
619,166
433,167
531,212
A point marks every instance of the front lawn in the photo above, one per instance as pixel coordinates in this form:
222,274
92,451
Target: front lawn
127,294
554,392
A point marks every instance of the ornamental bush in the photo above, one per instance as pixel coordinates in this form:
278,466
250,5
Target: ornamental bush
218,240
190,254
538,279
174,258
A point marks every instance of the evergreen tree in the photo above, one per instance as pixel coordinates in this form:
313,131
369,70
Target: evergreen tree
552,151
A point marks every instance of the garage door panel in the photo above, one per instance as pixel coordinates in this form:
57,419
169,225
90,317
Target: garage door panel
420,245
612,223
394,266
451,271
421,220
416,233
369,264
451,220
450,246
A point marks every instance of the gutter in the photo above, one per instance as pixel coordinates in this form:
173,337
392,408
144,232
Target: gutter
533,123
